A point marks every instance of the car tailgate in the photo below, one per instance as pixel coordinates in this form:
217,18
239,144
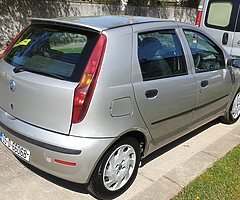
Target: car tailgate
39,100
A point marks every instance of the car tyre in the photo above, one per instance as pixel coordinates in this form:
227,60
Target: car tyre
234,111
117,170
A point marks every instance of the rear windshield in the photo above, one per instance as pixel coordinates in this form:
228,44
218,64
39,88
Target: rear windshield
56,50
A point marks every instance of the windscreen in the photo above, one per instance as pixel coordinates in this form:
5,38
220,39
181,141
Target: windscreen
55,50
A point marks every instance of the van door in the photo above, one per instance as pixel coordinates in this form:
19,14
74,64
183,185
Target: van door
219,20
166,92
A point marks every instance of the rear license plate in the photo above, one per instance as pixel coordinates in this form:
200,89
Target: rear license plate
15,148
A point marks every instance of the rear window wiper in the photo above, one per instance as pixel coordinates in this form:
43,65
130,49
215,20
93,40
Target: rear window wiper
22,69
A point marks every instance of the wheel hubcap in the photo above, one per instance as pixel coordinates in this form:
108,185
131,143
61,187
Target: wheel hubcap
235,112
119,167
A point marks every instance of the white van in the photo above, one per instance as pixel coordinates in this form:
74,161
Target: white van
220,18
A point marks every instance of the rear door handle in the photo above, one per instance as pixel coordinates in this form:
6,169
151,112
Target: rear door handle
204,83
151,93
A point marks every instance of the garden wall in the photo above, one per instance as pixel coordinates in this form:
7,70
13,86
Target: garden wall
14,13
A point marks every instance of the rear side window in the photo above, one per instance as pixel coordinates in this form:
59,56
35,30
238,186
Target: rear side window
160,55
221,14
53,50
207,56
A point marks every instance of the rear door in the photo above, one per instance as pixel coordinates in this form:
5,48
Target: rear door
214,83
219,20
39,74
165,90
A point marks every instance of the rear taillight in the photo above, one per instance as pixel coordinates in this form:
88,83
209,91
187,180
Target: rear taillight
84,91
12,44
199,18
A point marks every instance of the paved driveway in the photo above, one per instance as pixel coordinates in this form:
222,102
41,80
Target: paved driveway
162,175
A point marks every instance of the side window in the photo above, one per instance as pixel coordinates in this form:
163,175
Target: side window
207,55
221,14
160,55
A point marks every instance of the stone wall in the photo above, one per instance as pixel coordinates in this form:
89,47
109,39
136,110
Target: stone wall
14,13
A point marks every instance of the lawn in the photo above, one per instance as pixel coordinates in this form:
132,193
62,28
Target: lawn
220,182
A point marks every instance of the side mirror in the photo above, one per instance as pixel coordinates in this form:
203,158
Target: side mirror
234,62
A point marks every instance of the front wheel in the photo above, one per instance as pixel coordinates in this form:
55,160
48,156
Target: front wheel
234,111
117,170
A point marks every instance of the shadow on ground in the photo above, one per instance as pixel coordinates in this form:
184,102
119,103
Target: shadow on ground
82,188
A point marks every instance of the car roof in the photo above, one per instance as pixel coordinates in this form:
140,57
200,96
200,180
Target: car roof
99,23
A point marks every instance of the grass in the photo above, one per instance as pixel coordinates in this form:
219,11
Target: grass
220,182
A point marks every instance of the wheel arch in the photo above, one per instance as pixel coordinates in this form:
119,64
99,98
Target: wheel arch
141,136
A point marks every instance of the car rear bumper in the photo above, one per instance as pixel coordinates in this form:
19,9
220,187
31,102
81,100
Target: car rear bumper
46,146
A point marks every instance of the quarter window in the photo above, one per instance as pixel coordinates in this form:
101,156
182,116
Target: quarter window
160,55
207,55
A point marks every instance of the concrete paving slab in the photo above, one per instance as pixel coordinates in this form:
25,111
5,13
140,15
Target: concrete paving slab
224,145
184,174
163,189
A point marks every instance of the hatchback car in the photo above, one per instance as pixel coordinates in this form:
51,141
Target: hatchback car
85,99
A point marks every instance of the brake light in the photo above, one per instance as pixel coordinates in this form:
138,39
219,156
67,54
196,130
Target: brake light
84,91
12,44
199,18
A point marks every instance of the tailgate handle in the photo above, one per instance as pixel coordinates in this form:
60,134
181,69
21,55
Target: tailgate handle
204,83
151,93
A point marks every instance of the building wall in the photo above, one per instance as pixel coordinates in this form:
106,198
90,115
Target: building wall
14,13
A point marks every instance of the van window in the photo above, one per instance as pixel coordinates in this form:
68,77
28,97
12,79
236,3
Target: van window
221,14
219,18
160,55
207,56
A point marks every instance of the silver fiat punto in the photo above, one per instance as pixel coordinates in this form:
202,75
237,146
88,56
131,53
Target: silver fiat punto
85,99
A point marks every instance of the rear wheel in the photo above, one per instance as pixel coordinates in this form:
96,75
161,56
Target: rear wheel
117,170
234,111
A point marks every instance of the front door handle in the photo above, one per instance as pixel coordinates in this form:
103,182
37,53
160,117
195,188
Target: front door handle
151,93
204,83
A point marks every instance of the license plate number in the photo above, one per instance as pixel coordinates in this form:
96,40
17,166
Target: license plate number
15,148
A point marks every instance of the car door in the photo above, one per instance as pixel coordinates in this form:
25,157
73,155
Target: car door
166,91
214,83
219,20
